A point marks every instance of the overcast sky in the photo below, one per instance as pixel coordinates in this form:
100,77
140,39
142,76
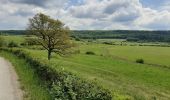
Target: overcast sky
89,14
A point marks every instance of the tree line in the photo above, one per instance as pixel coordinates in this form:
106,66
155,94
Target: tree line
130,35
150,36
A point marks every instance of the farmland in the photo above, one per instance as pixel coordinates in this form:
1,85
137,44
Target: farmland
85,50
151,54
114,67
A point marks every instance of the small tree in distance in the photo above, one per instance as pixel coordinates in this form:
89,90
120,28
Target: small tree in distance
1,41
51,34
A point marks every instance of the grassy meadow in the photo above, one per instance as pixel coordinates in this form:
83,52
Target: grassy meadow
16,38
114,67
151,54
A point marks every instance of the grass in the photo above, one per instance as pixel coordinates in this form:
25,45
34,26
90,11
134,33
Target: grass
114,67
33,90
124,78
150,54
16,38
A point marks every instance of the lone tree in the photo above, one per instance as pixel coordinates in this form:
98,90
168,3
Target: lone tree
52,34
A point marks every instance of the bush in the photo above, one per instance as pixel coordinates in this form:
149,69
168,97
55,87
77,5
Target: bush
141,61
62,84
31,41
132,39
12,44
2,42
90,53
108,43
77,39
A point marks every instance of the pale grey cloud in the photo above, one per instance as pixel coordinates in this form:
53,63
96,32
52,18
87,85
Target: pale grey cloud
86,14
42,3
31,2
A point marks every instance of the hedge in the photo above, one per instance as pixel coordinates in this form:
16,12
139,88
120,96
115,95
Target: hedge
61,84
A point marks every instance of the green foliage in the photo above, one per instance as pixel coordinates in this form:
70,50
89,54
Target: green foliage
151,36
52,34
90,53
132,39
30,41
77,39
12,44
72,88
13,32
109,43
64,85
2,42
141,61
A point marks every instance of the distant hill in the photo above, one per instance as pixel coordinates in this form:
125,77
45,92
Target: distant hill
13,32
155,36
130,35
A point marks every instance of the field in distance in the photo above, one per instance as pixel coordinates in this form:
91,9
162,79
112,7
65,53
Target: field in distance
156,55
114,67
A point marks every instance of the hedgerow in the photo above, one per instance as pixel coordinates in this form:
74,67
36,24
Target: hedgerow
62,84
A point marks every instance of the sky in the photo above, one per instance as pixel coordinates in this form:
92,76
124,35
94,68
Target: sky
89,14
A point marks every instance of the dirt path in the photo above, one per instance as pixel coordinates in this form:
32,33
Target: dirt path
9,85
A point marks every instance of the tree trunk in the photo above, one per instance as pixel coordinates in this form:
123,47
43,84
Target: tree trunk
49,54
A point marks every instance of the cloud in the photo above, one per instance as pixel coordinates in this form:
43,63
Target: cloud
156,20
87,14
153,19
113,6
107,11
31,2
90,9
42,3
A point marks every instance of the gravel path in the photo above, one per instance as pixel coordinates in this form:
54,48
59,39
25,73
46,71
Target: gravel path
9,85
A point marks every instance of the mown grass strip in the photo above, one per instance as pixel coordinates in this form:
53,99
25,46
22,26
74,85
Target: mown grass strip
30,83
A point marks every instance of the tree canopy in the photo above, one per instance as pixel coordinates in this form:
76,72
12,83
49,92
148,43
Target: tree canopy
52,34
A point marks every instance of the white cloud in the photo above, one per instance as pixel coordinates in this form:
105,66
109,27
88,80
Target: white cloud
88,14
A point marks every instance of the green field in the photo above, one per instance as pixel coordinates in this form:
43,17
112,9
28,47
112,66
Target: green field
122,77
151,54
114,67
16,38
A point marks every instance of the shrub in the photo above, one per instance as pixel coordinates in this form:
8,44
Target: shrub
31,41
12,44
77,39
90,53
108,43
2,42
141,61
22,44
